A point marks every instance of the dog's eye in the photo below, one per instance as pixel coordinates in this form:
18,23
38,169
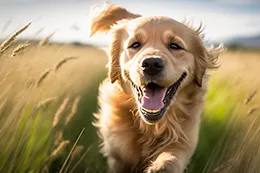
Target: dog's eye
135,45
174,46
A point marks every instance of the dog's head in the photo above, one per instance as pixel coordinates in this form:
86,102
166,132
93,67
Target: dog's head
153,57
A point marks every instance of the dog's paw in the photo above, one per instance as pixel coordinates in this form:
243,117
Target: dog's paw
161,168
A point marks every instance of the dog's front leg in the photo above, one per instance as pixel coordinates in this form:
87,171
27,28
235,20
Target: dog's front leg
169,162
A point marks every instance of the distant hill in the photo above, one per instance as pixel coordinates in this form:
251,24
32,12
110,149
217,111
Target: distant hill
35,41
234,42
244,41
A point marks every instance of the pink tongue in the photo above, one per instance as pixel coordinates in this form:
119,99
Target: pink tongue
153,99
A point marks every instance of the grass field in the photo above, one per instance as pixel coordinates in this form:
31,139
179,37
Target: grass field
49,92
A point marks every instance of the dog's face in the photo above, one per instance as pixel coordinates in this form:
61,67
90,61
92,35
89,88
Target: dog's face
153,57
156,60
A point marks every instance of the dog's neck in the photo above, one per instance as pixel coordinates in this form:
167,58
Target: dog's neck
123,116
187,99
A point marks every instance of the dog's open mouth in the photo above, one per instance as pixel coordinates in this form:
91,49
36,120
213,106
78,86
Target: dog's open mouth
154,99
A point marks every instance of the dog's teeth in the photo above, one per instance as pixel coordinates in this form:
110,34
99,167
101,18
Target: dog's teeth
152,111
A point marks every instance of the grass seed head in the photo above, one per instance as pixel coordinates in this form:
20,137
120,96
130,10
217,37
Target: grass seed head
45,102
7,43
252,110
46,40
42,77
62,62
73,110
250,97
59,112
19,49
58,138
56,153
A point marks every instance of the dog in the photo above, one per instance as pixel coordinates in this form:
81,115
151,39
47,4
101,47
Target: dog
150,103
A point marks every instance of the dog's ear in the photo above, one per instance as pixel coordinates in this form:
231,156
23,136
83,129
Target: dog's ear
205,59
109,15
113,65
104,21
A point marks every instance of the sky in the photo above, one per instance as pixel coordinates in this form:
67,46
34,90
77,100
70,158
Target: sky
69,19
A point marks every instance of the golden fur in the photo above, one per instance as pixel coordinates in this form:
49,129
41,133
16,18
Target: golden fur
131,143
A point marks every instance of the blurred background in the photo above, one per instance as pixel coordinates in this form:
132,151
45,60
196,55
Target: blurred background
50,71
224,20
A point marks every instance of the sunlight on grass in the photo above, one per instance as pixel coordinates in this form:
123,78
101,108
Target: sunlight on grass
31,143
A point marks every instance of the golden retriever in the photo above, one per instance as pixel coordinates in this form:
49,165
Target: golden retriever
150,104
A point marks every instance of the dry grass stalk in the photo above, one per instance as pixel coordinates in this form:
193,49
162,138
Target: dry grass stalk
6,76
74,154
73,110
250,97
59,149
77,151
46,39
42,77
58,114
63,61
45,102
252,110
56,153
19,49
3,104
223,166
71,151
3,80
7,43
2,51
30,83
58,138
81,158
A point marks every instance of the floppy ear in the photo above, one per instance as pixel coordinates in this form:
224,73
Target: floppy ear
104,21
114,72
109,15
205,59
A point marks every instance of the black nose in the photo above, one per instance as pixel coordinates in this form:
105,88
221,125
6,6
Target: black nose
152,66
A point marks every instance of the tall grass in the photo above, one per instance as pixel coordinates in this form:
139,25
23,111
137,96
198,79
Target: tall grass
48,127
35,121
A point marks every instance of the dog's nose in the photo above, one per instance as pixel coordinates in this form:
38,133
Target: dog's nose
152,66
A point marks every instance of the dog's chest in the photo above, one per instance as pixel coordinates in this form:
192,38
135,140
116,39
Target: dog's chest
133,147
124,145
